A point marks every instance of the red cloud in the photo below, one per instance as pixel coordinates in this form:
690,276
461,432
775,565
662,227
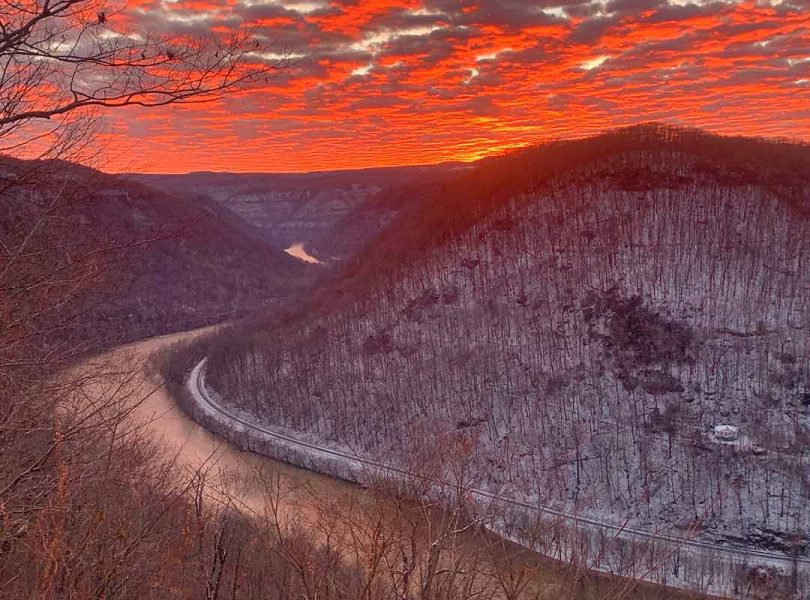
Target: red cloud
405,82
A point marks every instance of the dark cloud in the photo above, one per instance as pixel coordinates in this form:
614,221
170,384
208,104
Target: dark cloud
590,30
633,6
380,102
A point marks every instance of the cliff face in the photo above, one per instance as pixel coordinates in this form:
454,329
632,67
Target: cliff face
581,340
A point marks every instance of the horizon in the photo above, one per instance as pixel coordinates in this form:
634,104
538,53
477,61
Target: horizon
400,83
313,172
471,163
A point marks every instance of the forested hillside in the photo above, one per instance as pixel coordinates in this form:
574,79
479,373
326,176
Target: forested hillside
155,263
465,200
579,317
90,505
94,503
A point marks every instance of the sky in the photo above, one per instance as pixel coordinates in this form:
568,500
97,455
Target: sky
394,82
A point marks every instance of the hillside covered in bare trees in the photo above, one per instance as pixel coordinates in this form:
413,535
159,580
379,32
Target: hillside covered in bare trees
615,327
97,500
155,263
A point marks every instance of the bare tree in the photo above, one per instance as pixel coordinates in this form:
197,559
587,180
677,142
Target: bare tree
85,505
62,59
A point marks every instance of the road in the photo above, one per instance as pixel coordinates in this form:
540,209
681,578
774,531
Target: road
699,549
300,498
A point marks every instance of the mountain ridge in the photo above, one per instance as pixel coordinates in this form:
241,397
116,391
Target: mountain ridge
656,292
162,263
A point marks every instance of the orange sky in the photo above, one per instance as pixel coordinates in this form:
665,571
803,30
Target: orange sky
387,82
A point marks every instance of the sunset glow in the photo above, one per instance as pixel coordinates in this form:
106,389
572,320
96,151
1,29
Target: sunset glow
392,82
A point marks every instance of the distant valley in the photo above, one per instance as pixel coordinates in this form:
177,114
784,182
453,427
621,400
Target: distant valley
150,263
331,214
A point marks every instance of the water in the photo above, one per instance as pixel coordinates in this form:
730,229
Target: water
297,251
301,500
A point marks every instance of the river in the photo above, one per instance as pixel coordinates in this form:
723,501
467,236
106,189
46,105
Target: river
297,251
266,488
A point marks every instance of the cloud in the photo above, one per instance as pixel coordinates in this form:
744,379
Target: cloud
416,81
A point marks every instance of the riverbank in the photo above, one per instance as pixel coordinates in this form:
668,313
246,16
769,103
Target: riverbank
549,578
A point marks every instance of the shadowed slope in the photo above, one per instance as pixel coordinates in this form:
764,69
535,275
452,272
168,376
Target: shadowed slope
581,324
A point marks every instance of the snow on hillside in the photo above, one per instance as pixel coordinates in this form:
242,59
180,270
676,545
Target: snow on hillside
579,346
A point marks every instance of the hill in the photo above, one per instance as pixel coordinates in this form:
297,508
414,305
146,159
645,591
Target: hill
614,327
461,202
131,261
